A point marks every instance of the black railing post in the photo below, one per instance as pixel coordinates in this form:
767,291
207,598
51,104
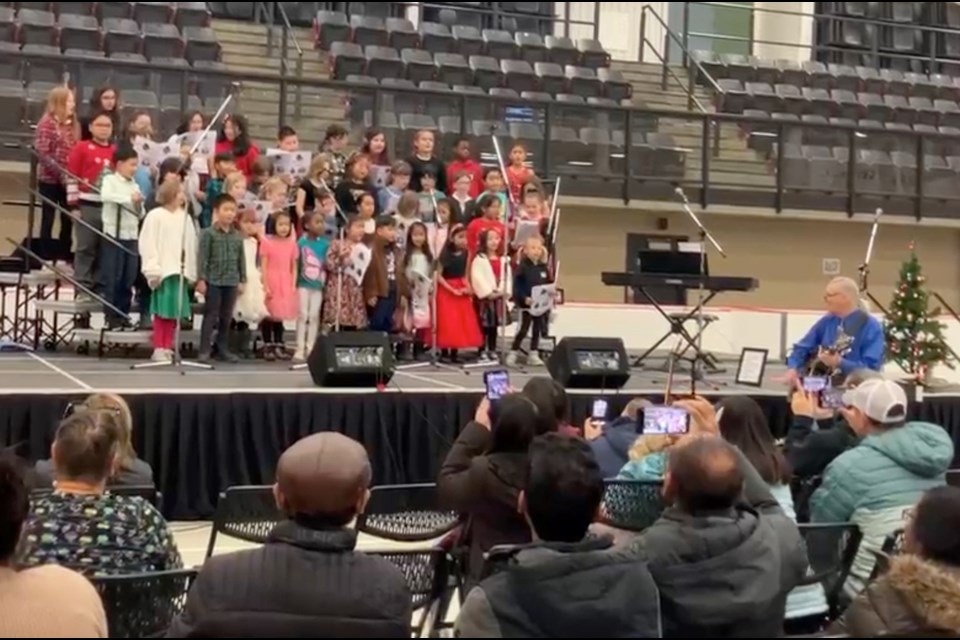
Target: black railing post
547,131
778,194
282,103
184,90
921,163
851,172
377,106
596,20
566,19
32,200
686,31
691,87
643,30
627,155
462,104
666,60
705,160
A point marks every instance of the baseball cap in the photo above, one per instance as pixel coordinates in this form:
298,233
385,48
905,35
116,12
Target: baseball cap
883,401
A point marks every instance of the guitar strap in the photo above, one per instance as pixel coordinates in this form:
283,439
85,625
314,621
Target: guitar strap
853,323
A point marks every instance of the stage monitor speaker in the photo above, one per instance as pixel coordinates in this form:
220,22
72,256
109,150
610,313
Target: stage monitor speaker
356,359
590,363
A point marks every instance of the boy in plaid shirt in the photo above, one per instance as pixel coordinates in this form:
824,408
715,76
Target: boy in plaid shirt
221,276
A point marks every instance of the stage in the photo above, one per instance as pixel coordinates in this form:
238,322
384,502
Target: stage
207,430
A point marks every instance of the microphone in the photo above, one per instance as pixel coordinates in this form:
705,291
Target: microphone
680,193
877,215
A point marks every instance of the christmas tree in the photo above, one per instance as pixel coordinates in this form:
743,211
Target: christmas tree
913,334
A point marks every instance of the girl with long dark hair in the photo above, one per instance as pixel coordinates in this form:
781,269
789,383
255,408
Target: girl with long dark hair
234,137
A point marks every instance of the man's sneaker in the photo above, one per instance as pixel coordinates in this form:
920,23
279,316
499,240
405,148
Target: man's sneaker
533,360
512,359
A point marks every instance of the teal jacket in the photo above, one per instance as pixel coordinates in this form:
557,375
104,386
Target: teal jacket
873,484
649,468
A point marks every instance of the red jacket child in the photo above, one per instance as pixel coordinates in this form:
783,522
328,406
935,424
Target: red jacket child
87,161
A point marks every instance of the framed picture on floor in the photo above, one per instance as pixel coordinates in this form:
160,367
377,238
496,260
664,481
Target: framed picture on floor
753,364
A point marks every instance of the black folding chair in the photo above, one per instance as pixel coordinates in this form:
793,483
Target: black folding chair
953,478
831,549
802,490
633,505
245,513
427,576
143,605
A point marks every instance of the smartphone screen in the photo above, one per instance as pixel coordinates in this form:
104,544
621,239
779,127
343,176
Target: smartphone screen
814,384
832,398
600,408
665,421
497,383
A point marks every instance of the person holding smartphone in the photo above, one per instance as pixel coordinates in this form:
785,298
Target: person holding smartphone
611,440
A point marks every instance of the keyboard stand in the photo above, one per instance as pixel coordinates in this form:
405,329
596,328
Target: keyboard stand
678,328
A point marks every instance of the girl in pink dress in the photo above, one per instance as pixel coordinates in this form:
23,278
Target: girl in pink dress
278,263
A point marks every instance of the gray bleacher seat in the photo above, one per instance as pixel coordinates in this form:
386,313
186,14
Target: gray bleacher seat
592,53
870,80
532,48
37,27
536,96
569,98
504,92
92,71
77,8
433,85
419,64
169,83
114,10
518,75
449,125
469,40
924,110
12,100
500,44
162,40
401,34
356,78
818,100
944,87
36,99
709,61
436,38
601,101
844,77
201,43
405,101
733,98
171,111
873,106
79,32
566,148
416,122
947,146
791,72
157,12
126,78
348,59
43,70
846,103
10,67
817,74
330,27
486,72
615,84
891,143
583,81
894,82
121,35
949,112
192,14
383,62
360,101
8,24
920,85
386,120
905,165
525,132
899,107
824,169
453,68
470,89
741,67
562,50
551,77
368,30
596,137
792,98
767,71
210,86
939,179
760,95
796,167
814,135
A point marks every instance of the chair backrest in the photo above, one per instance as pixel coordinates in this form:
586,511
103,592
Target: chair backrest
953,477
406,513
632,504
831,549
143,605
427,574
246,513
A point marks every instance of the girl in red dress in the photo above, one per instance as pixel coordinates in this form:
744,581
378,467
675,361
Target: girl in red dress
457,326
234,138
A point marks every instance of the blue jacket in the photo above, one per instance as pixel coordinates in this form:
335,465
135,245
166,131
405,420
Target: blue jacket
649,468
873,484
866,352
612,448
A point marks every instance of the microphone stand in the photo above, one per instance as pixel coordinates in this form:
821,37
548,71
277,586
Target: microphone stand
700,362
864,269
177,359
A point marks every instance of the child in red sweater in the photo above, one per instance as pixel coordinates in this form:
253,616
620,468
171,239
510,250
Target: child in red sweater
518,173
489,208
464,163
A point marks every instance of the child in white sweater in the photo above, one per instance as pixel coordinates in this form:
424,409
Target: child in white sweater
167,232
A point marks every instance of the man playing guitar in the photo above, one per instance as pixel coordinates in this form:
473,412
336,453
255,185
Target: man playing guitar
847,338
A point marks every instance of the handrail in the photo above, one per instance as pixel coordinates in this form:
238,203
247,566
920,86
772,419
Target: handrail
288,28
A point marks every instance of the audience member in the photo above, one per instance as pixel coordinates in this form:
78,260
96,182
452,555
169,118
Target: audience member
724,555
871,484
817,436
81,526
105,99
57,133
920,595
566,584
234,137
484,473
131,471
611,441
308,580
45,602
552,406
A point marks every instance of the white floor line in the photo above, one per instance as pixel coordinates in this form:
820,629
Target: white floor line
414,376
77,381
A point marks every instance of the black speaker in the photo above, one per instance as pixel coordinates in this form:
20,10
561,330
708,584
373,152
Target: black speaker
590,363
355,359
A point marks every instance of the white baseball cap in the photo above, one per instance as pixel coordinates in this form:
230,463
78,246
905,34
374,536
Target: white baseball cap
883,401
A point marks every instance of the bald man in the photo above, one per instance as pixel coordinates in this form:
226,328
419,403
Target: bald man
844,313
723,555
307,581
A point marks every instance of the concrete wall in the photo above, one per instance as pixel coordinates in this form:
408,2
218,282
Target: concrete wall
795,32
619,26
